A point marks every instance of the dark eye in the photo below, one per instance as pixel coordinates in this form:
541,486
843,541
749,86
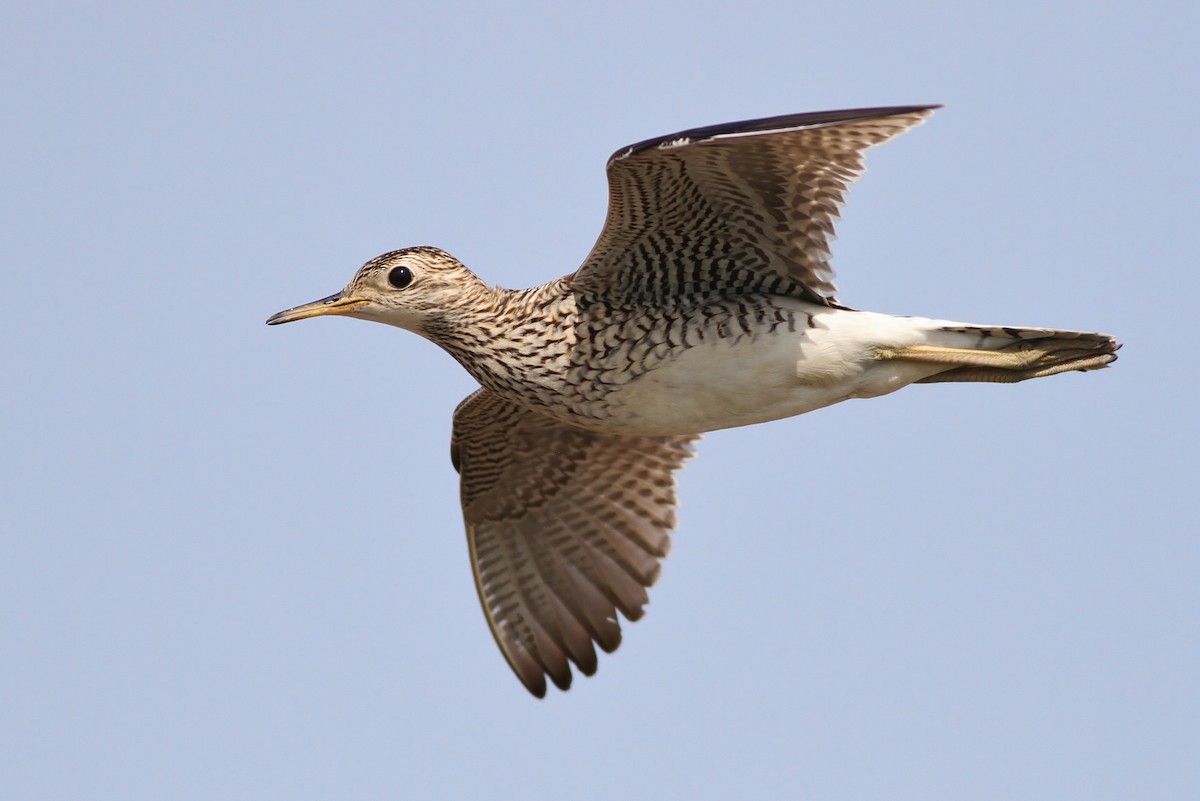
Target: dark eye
400,277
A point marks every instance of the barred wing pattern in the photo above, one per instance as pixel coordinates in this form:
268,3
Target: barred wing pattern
731,210
565,527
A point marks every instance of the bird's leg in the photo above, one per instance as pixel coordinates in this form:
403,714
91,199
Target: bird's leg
1002,375
1018,362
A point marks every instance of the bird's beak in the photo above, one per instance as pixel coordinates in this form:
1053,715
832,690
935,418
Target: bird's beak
337,303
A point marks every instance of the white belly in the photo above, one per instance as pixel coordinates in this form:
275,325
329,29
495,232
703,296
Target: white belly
723,383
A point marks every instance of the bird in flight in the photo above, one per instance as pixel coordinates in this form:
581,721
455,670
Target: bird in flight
708,302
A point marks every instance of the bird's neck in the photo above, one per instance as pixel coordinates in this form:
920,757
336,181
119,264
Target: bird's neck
512,340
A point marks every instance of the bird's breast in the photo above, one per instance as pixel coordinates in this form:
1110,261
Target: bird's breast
722,366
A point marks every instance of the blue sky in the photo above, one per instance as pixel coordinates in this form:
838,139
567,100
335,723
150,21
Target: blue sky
233,558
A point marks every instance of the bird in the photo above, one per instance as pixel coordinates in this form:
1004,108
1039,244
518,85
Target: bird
708,302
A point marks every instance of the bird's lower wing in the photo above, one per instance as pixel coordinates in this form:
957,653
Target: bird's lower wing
565,527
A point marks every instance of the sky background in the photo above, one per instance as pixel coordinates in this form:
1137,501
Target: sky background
233,564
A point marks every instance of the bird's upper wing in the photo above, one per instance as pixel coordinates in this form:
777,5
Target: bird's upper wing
565,527
734,209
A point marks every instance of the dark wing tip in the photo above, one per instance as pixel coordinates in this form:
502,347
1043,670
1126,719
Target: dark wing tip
536,689
811,119
561,679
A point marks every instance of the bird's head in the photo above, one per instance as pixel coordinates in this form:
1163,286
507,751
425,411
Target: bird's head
409,288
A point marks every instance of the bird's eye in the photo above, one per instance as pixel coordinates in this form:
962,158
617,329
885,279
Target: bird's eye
400,277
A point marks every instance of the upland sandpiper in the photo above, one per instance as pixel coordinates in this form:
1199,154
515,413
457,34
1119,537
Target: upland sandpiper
707,303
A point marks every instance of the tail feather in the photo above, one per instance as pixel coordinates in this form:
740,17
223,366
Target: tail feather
1007,334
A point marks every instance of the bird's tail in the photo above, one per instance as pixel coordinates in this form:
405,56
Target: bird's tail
1004,354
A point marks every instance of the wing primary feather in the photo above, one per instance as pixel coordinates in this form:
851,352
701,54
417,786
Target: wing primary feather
568,624
769,125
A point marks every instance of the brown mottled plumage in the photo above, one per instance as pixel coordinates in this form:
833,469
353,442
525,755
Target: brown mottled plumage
707,302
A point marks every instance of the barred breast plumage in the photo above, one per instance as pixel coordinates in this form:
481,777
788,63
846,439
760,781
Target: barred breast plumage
707,302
